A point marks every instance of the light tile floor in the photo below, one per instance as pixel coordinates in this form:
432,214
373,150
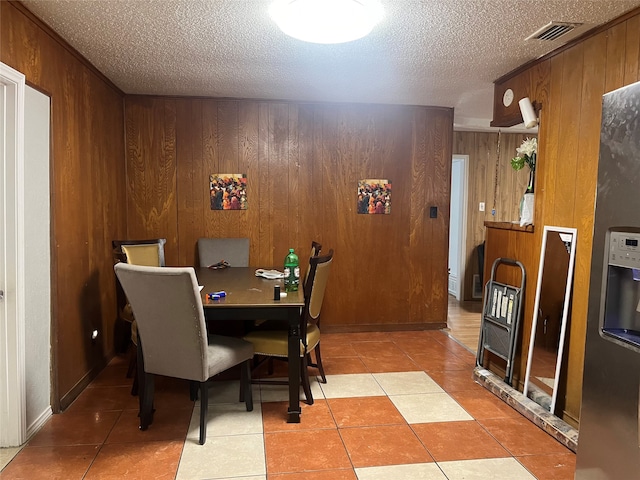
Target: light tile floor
396,406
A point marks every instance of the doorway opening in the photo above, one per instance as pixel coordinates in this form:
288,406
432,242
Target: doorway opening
458,225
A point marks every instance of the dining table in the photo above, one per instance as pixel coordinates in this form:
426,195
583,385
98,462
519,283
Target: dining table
249,297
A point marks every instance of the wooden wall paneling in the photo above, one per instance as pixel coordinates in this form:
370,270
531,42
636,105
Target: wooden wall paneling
506,208
248,116
481,180
266,187
293,188
227,129
338,153
482,150
188,177
99,274
279,171
211,165
539,86
615,59
484,147
394,163
419,257
151,173
570,126
550,132
346,268
305,161
68,182
564,184
243,217
86,164
309,195
632,51
511,183
109,181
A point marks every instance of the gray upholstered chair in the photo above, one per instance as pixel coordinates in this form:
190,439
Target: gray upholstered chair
138,252
172,336
273,342
234,251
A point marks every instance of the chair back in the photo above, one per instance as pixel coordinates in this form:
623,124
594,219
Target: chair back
319,267
150,254
234,251
140,252
315,251
167,306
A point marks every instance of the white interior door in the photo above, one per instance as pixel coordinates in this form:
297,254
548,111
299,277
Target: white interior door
12,385
3,90
457,225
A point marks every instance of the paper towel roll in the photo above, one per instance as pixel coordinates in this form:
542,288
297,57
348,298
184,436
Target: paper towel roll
528,113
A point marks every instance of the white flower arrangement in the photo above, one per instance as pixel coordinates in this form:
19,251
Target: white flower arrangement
526,153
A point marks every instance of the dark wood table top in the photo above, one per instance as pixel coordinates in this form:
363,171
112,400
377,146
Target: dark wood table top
243,289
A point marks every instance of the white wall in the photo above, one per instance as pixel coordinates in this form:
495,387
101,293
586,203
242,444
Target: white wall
37,260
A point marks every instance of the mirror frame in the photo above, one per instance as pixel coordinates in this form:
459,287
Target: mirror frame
565,308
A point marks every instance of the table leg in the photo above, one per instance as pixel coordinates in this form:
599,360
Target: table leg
294,366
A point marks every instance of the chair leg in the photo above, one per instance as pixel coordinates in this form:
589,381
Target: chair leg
319,363
133,368
304,378
132,360
204,407
193,390
246,394
135,387
146,404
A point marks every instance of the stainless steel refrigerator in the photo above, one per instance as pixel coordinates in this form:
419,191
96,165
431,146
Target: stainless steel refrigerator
609,436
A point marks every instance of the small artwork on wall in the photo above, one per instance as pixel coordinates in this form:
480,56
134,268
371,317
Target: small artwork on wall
374,196
228,191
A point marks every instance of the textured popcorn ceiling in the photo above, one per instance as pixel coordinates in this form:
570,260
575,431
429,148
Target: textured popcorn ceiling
429,52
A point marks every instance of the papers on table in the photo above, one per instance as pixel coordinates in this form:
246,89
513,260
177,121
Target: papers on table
270,274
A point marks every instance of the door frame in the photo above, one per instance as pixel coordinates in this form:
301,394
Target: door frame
12,323
462,227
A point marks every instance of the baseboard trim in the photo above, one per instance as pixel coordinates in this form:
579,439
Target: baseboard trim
39,422
68,398
396,327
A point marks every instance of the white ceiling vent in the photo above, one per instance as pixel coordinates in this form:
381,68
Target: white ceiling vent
552,31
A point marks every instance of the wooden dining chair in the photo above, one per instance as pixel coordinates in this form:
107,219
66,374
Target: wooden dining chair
233,251
138,252
273,342
315,251
173,339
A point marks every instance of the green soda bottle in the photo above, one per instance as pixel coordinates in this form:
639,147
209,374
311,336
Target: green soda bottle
291,272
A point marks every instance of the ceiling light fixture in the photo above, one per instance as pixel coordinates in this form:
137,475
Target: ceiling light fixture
326,21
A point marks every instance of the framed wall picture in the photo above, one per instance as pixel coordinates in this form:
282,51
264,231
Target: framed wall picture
228,191
374,196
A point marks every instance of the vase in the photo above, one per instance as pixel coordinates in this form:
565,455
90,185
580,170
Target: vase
527,202
532,179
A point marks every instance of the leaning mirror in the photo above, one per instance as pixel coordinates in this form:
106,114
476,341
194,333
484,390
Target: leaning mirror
553,293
